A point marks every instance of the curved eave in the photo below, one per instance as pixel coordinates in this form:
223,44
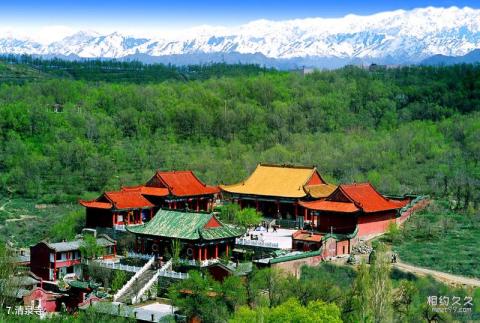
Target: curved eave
265,195
133,208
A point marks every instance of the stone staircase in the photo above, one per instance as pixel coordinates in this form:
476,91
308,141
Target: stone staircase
134,288
137,286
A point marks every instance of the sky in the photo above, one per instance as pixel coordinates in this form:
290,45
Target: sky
53,20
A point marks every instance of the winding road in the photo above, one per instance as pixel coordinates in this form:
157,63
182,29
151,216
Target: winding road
438,275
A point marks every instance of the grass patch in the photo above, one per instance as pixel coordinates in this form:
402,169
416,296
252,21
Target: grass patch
25,222
441,239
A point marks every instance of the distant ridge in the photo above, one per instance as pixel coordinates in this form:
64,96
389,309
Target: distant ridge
390,38
470,58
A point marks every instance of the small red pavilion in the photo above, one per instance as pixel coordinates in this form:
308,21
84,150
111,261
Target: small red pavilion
118,208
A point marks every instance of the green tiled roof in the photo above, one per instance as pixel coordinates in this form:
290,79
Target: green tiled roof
184,225
295,256
83,284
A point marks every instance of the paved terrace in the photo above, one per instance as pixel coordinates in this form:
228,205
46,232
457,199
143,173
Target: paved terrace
283,237
153,312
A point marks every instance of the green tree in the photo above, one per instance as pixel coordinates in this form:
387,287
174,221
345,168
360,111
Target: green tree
176,249
359,302
70,226
403,298
228,212
381,285
234,292
290,311
89,247
7,269
248,217
119,279
266,282
199,297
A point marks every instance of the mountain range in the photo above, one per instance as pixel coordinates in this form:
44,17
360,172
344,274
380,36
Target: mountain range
394,37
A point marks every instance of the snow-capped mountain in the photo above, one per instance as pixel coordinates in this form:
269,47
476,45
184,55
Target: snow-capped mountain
398,37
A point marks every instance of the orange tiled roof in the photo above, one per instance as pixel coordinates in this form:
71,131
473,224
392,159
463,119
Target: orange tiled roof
128,200
185,183
367,198
146,190
275,180
96,204
330,206
400,203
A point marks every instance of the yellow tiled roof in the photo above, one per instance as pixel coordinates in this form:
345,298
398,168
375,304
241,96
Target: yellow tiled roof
320,190
274,180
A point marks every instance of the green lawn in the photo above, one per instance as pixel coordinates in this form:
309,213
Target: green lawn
441,239
25,222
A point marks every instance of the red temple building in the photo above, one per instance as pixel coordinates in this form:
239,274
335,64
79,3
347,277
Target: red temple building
138,204
351,213
200,234
354,207
275,190
118,208
185,191
51,261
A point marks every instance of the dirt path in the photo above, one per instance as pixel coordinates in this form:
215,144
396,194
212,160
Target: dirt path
438,275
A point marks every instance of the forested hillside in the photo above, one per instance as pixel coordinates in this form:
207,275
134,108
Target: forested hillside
405,130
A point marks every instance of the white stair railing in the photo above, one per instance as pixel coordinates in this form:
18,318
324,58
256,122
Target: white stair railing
133,279
147,286
167,265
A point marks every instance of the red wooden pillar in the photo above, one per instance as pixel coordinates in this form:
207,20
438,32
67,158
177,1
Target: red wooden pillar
216,251
198,206
175,205
115,250
151,214
226,250
240,203
199,253
170,205
206,253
